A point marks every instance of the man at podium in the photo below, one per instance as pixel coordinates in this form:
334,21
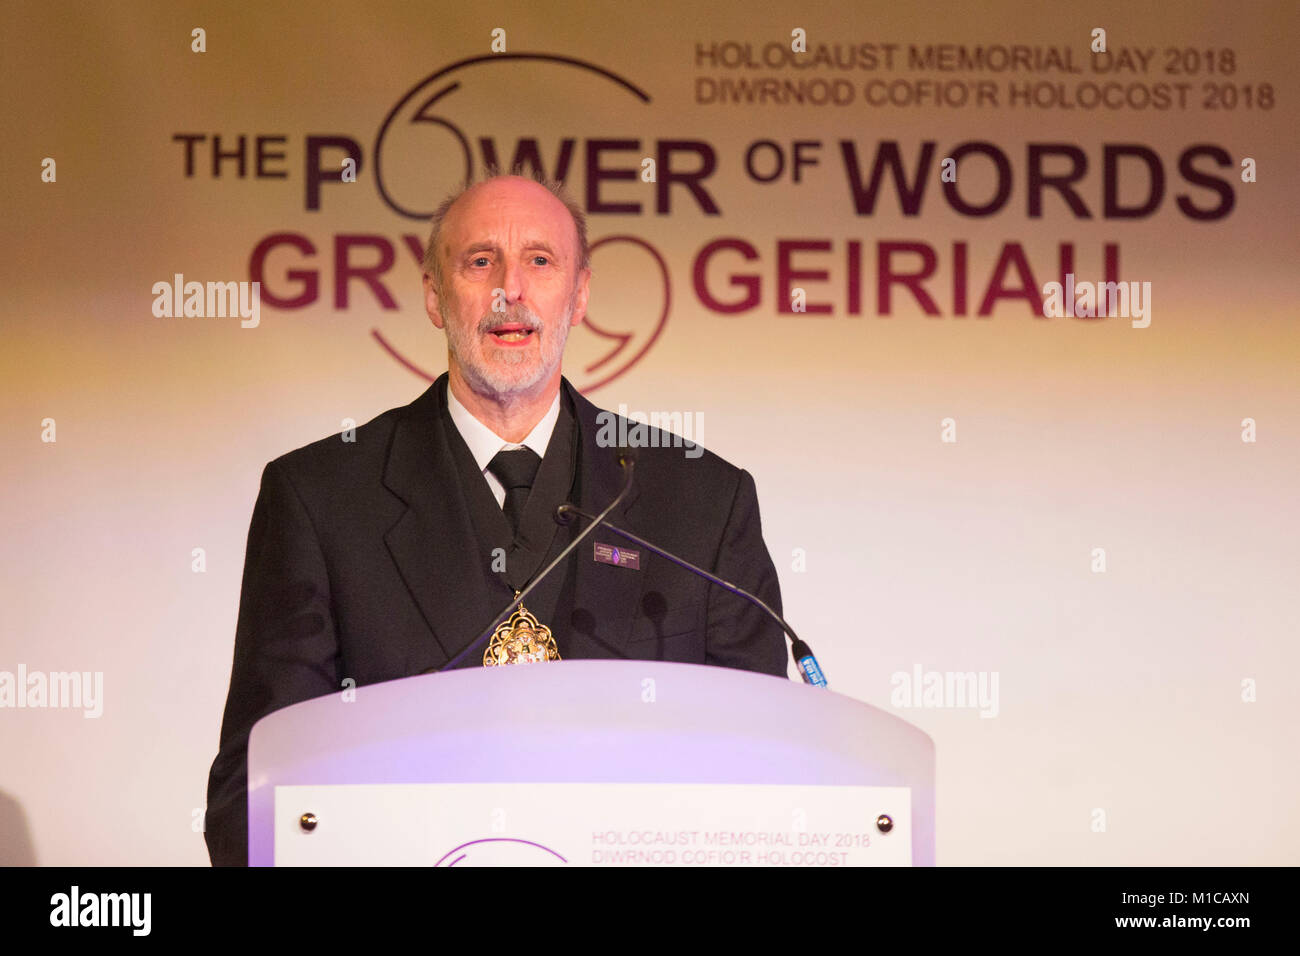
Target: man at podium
384,553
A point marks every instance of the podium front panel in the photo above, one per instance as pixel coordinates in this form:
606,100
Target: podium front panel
592,824
439,759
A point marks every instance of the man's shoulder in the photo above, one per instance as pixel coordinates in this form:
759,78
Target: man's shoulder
690,492
668,446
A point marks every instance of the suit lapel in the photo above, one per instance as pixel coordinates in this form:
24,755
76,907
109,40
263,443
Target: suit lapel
605,597
434,544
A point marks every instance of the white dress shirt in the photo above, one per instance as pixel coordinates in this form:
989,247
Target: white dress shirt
484,443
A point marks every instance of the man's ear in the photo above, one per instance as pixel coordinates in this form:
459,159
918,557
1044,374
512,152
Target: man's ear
431,301
580,298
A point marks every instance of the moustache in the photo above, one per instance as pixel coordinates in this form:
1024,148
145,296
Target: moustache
521,319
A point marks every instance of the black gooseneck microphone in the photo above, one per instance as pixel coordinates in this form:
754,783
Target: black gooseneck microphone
809,669
627,459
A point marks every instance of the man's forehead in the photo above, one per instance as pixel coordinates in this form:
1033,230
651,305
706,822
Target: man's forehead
516,208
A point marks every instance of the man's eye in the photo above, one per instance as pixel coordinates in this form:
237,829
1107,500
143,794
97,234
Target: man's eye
544,260
479,259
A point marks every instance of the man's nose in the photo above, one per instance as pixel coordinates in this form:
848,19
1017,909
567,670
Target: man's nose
512,281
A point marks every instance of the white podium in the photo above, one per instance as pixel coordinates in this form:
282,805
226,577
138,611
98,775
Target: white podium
589,762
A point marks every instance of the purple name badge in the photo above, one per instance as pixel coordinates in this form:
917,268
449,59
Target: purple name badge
619,557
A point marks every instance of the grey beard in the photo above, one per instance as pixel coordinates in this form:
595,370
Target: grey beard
502,379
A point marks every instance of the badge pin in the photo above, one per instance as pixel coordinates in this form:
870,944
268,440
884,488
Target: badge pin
619,557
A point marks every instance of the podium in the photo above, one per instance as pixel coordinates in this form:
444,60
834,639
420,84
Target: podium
589,762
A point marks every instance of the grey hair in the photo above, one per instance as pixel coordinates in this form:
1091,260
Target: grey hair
432,264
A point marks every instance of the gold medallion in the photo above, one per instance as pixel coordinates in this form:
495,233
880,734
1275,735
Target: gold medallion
521,639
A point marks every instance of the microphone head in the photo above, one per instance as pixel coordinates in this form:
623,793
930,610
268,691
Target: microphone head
564,514
626,455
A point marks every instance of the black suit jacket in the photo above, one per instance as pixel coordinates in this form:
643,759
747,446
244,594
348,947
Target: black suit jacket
373,560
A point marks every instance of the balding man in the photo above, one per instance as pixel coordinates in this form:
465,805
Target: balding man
387,556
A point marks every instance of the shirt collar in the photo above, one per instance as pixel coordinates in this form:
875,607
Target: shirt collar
484,443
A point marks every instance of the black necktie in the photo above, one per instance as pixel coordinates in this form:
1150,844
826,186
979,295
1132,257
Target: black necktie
515,468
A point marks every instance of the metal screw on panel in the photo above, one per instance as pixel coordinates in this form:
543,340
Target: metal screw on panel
884,823
307,821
